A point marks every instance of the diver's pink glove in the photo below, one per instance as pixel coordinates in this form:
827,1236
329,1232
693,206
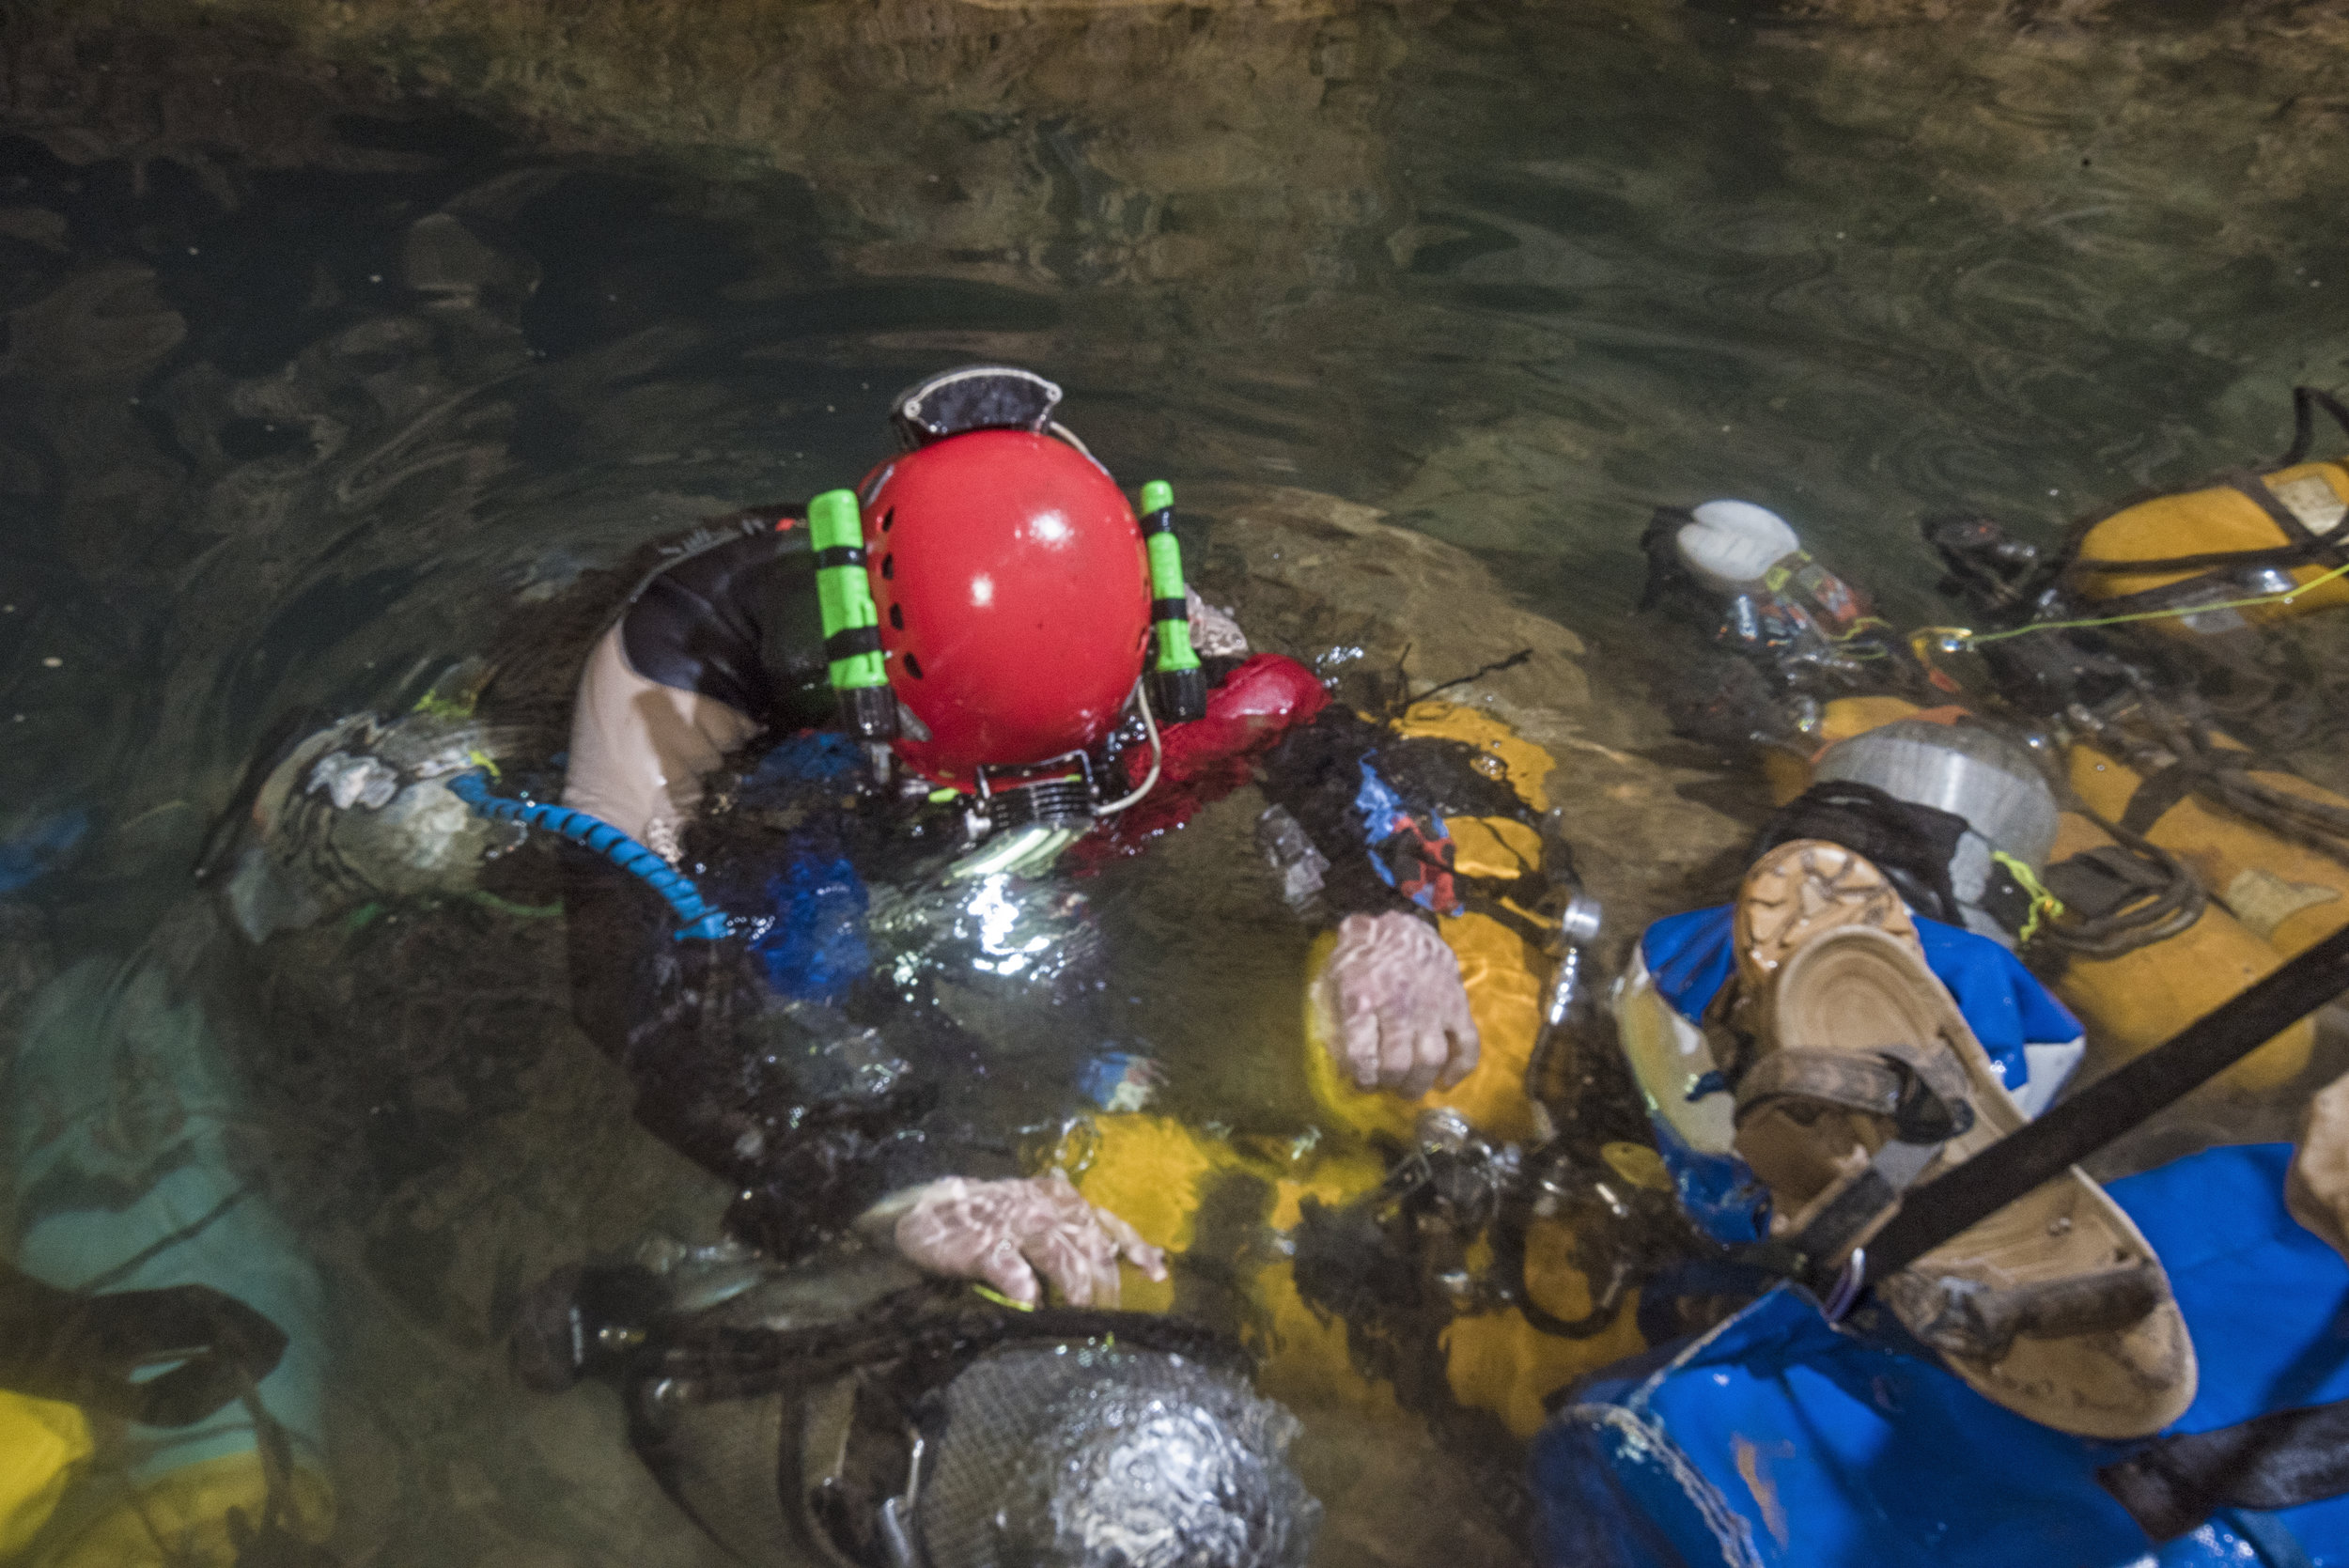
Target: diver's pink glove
1007,1232
1393,990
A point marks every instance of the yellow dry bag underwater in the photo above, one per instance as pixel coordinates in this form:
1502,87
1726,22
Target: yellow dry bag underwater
181,1383
2238,545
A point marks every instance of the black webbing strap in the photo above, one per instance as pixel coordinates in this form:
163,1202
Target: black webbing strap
2306,400
2281,1460
204,1348
2298,553
2078,1128
1852,1216
2327,548
854,640
2156,793
2099,882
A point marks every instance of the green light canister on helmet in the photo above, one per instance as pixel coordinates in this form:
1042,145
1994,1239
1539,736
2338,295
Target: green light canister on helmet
1177,686
852,625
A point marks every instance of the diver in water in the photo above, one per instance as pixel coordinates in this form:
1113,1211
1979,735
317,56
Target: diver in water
1011,655
976,618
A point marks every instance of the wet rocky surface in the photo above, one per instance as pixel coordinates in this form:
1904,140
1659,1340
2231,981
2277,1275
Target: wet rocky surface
1390,614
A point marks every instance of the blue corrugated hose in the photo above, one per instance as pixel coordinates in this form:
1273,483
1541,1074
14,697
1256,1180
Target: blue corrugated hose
699,919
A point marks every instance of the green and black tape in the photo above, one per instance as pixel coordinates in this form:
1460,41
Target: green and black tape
852,645
1178,687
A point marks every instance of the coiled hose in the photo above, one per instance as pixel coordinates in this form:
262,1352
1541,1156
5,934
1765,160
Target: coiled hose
2169,899
698,920
2223,774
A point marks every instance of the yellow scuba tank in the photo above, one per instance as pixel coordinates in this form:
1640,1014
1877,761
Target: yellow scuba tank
43,1446
2288,893
1158,1173
2136,1000
2253,535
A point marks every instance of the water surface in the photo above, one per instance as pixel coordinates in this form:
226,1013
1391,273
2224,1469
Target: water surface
332,339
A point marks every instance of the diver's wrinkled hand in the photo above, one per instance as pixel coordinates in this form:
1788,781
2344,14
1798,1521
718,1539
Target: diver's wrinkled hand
1007,1232
1401,1013
2317,1189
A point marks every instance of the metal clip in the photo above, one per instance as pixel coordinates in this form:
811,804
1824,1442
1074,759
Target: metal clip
1844,1293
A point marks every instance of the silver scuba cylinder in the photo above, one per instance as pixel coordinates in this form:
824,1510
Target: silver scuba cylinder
1969,771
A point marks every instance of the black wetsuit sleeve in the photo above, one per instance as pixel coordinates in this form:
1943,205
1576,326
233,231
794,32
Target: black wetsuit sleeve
738,620
722,1077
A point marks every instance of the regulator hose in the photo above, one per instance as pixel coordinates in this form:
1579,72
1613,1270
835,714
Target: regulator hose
698,920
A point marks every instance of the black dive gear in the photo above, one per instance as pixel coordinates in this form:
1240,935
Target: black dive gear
973,398
921,1428
1799,621
92,1350
733,614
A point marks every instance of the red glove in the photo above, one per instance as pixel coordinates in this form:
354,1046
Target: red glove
1207,758
1245,714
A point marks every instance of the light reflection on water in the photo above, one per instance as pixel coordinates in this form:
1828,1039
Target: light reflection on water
311,375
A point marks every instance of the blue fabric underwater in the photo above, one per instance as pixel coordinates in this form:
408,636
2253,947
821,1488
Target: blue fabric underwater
1691,956
815,949
1777,1439
812,946
40,848
1383,815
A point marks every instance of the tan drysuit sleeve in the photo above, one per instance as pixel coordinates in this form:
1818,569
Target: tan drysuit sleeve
639,750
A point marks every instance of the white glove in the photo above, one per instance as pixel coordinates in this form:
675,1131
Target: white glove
1402,1014
1007,1233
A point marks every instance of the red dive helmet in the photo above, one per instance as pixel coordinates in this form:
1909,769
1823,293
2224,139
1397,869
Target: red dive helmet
990,596
1014,598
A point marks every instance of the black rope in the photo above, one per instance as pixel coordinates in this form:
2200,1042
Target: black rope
2306,400
1493,669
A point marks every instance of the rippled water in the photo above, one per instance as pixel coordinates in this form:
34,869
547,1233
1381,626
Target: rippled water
332,336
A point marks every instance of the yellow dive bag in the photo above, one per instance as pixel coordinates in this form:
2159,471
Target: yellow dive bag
43,1446
2248,536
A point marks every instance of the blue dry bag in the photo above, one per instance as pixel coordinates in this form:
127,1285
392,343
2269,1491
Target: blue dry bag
1777,1439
